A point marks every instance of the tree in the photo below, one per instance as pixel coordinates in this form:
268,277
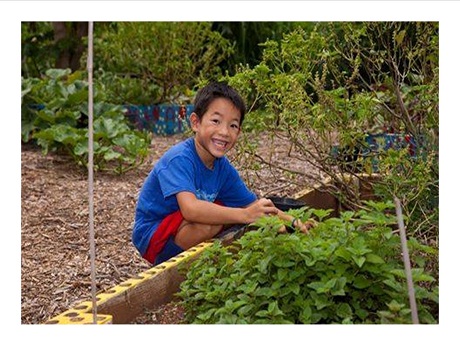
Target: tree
248,37
47,45
68,40
158,62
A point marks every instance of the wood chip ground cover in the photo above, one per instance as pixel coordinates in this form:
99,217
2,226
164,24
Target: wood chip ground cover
55,259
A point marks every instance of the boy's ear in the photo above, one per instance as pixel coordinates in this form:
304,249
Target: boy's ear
194,121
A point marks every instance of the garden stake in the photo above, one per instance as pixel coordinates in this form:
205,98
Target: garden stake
90,169
407,267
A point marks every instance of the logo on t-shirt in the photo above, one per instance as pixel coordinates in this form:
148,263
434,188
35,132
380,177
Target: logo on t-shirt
202,195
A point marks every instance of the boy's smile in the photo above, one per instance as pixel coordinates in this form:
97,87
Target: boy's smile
217,131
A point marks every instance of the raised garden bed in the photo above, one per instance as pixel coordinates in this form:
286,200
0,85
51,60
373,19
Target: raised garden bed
151,293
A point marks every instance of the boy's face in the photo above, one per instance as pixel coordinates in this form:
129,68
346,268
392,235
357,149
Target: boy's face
217,131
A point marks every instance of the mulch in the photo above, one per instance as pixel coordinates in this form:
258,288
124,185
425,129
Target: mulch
55,246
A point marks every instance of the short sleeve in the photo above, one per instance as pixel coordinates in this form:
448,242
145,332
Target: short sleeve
176,176
234,192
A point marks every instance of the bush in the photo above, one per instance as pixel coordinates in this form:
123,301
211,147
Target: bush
346,270
330,87
162,60
55,115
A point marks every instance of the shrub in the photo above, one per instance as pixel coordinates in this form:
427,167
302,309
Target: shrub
346,270
163,60
55,115
330,87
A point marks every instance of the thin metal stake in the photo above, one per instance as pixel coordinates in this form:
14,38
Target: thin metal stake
407,266
90,170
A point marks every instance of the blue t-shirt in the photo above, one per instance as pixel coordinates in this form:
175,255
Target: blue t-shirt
181,169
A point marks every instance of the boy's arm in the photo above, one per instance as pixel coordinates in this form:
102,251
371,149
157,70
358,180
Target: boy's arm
199,211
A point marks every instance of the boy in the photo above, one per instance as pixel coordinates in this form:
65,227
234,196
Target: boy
193,190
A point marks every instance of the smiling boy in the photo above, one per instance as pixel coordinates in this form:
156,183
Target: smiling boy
193,190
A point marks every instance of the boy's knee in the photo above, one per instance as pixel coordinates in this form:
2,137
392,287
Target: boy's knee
192,234
213,230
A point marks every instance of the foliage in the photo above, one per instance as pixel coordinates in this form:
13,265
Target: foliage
48,45
55,114
328,88
416,182
37,48
163,59
346,270
248,39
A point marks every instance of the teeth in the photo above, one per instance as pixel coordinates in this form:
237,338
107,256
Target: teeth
220,143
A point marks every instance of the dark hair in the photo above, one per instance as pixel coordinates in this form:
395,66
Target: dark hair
215,90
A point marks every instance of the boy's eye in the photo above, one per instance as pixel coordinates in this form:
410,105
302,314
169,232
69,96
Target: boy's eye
235,126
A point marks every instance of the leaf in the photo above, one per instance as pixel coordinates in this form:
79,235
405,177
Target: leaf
399,273
81,148
344,311
330,283
338,288
322,302
343,253
359,260
265,292
245,310
305,315
395,306
47,115
295,288
250,287
56,73
111,155
321,213
317,286
374,259
233,305
393,284
399,37
106,127
282,273
418,275
262,313
263,264
361,282
271,307
283,262
361,313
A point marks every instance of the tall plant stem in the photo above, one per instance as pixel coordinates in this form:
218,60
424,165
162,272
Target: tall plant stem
407,266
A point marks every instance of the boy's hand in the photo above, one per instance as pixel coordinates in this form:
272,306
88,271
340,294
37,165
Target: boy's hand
260,208
304,227
295,223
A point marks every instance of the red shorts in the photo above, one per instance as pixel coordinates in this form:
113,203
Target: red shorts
167,228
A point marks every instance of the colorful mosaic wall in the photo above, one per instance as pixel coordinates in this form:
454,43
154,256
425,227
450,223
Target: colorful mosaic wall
370,148
163,119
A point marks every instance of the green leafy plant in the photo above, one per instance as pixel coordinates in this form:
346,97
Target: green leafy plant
55,115
346,270
161,60
327,88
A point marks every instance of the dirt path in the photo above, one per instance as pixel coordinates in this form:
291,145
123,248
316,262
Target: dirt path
55,263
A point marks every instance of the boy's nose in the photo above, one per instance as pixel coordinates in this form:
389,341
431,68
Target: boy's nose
223,130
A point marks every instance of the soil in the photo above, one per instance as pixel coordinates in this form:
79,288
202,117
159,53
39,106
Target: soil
55,246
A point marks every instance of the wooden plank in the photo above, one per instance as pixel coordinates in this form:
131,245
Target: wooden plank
150,290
